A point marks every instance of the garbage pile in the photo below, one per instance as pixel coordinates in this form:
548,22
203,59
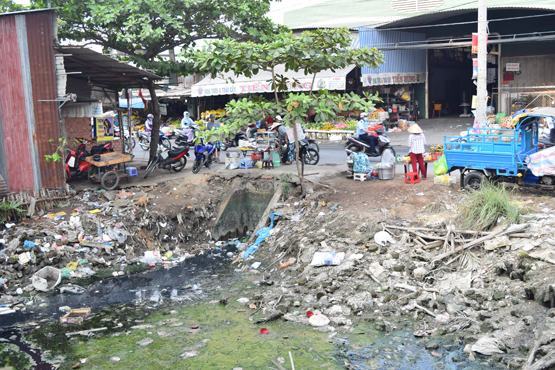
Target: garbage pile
96,232
492,290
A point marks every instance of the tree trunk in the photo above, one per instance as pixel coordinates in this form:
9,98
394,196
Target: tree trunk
312,84
274,84
155,134
298,156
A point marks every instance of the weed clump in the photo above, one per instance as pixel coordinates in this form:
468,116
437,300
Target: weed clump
483,208
10,211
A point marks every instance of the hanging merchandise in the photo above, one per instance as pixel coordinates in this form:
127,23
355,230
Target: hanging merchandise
474,68
474,43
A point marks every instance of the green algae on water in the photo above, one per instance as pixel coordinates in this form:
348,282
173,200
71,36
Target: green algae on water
216,337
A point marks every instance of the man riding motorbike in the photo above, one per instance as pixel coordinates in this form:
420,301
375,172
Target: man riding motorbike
367,133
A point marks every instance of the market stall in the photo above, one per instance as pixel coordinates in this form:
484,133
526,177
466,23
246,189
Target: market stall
262,152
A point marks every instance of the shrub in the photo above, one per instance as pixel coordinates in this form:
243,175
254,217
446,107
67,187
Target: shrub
483,208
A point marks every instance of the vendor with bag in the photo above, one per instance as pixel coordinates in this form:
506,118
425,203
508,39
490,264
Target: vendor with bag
417,147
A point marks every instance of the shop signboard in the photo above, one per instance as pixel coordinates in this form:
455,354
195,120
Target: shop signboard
250,87
512,67
380,79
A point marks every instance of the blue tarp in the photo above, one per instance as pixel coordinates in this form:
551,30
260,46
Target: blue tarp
261,236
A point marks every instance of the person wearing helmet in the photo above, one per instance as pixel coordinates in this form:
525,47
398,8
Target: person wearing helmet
187,120
149,122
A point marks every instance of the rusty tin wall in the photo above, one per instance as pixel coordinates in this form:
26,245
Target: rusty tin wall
16,155
40,40
29,125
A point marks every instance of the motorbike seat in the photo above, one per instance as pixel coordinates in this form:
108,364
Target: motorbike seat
176,152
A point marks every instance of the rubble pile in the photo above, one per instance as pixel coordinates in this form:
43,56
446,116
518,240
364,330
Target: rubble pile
494,291
98,232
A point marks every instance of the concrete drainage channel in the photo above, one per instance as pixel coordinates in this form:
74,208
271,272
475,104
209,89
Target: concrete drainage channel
242,211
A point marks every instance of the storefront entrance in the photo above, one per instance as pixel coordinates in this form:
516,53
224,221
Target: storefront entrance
450,84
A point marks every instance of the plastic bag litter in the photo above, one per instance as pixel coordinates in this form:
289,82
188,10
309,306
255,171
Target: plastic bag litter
47,278
383,238
488,346
327,258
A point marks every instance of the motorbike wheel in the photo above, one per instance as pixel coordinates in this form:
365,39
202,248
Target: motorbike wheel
179,165
311,157
315,146
110,180
150,168
353,148
197,165
130,144
144,143
166,144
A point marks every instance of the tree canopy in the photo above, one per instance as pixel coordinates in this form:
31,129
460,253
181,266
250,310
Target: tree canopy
9,6
310,51
144,29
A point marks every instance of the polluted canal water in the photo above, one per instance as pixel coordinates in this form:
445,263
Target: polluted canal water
190,316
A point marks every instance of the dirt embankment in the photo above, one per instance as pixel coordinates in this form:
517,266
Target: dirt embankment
99,232
494,290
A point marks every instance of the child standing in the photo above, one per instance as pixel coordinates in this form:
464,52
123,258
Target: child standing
417,143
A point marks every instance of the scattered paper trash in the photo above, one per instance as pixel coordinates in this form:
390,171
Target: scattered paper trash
255,265
76,316
243,300
318,319
47,278
383,238
327,258
151,258
145,342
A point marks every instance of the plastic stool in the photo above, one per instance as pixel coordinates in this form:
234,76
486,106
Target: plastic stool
412,178
360,177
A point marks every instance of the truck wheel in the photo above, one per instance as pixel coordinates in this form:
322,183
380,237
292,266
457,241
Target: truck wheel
473,180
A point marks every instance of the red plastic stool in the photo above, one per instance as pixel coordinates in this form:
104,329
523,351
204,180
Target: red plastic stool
412,178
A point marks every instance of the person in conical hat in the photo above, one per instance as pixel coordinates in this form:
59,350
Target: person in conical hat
417,147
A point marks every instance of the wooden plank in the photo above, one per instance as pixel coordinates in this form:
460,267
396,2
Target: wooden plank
110,159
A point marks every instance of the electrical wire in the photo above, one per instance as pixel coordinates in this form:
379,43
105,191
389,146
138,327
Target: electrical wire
469,22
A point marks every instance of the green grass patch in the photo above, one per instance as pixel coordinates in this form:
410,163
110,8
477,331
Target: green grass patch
226,339
484,208
11,211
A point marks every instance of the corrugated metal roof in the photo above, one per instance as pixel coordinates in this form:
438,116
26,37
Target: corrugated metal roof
434,17
395,61
102,70
358,13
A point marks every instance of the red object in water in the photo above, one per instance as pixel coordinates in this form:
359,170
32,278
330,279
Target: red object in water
309,314
264,331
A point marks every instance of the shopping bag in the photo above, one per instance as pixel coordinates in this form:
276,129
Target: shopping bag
440,166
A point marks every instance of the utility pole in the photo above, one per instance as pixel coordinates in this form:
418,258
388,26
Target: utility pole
482,90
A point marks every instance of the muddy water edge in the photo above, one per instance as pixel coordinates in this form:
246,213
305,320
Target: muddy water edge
189,316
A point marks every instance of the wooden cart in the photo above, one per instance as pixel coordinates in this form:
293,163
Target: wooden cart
110,169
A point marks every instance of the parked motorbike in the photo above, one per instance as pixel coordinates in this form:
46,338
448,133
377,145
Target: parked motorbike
355,145
384,144
232,143
313,144
144,140
75,164
185,136
203,155
171,160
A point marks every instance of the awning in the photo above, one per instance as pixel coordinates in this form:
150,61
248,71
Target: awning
103,71
230,84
